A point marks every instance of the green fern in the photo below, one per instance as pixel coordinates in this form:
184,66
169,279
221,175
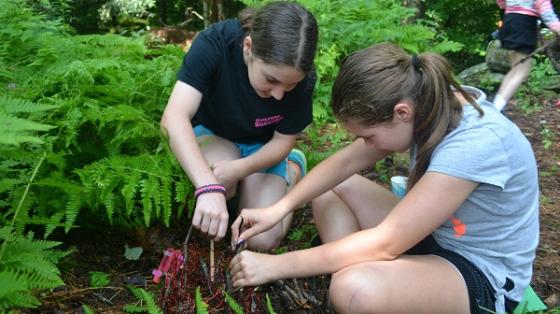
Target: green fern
201,306
87,309
235,307
134,189
17,130
269,305
26,265
150,305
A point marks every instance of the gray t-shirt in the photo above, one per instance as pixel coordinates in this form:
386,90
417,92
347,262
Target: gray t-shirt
497,227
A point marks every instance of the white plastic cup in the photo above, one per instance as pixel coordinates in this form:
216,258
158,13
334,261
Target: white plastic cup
398,185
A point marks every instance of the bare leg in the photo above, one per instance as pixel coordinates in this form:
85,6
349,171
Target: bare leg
261,190
355,204
409,284
515,77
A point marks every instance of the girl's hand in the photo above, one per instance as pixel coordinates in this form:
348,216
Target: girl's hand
227,172
211,215
252,269
255,221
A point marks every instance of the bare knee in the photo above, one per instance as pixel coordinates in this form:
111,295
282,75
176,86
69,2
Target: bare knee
265,242
349,292
321,202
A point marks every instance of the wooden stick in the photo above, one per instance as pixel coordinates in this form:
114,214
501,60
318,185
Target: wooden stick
212,266
538,50
205,271
185,255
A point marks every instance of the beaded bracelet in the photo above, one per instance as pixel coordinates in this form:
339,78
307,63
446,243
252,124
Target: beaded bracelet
209,188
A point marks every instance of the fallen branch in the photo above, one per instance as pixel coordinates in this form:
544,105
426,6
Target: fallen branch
212,265
538,50
67,293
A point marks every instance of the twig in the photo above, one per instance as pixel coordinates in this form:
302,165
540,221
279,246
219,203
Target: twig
185,255
253,304
54,298
114,295
297,288
228,284
285,298
299,295
205,271
103,299
78,291
167,289
212,266
21,203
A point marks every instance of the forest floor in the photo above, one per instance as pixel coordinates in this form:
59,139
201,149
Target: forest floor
101,249
538,127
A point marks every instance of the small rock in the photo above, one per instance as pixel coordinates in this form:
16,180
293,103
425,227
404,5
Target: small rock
552,301
135,280
61,288
497,58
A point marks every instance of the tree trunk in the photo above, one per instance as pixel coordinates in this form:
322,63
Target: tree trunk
207,12
220,5
420,10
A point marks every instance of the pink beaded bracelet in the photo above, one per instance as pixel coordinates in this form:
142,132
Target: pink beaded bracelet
210,188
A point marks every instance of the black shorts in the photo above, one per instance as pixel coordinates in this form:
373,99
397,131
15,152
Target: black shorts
481,292
519,33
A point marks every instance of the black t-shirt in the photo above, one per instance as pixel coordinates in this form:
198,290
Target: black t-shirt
230,106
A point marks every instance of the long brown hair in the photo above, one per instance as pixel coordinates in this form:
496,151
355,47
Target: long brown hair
373,80
282,33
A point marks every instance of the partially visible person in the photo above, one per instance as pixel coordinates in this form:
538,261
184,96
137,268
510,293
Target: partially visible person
519,35
243,93
462,240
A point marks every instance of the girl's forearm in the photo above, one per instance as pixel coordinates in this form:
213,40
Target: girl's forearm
330,172
183,144
332,257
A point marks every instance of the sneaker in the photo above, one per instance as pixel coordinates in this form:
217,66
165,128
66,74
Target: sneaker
297,158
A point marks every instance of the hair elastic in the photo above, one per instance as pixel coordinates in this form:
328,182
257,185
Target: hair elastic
415,62
210,188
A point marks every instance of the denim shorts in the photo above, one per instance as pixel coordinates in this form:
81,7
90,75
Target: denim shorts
248,149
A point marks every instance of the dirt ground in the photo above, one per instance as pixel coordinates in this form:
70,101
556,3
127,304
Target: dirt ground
102,249
546,277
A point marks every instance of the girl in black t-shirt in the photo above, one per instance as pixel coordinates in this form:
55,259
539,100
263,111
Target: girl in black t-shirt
243,93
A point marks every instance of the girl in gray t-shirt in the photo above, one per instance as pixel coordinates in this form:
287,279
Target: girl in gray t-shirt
462,240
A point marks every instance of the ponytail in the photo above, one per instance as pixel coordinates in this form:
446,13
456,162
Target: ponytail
373,80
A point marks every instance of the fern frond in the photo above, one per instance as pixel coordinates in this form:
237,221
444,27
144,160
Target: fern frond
130,187
201,306
14,105
235,307
26,265
20,298
269,305
16,130
87,309
73,206
165,200
53,223
145,296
